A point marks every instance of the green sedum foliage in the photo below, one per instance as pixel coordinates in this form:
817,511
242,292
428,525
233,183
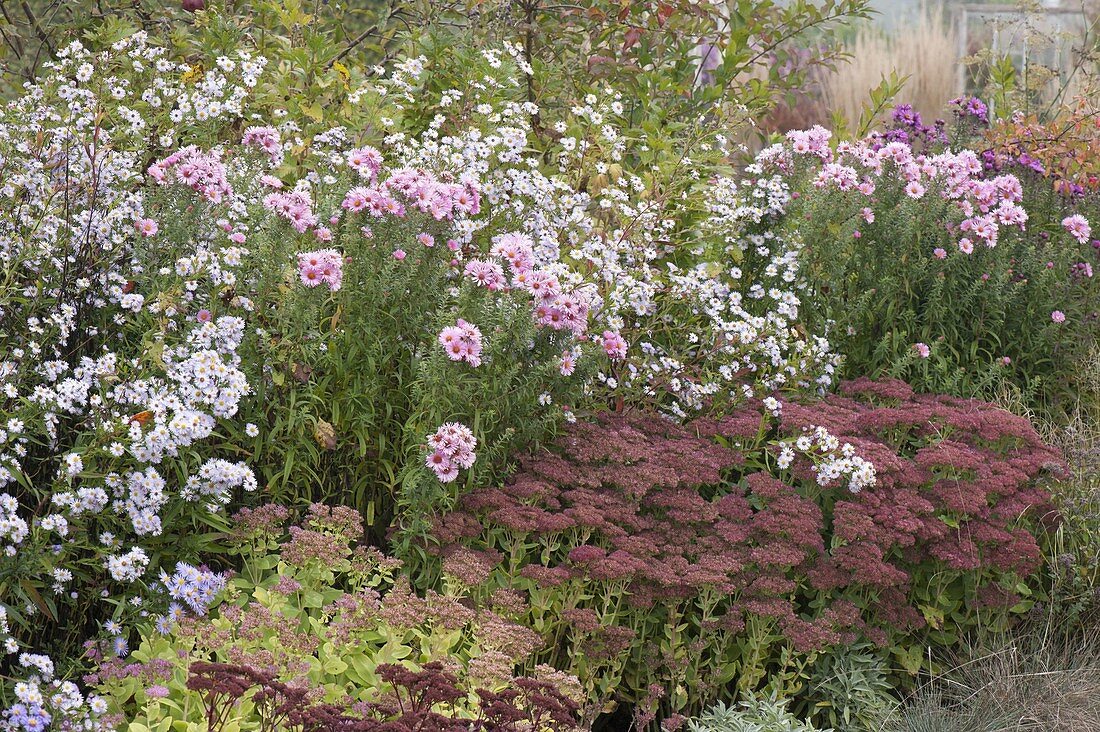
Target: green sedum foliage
316,609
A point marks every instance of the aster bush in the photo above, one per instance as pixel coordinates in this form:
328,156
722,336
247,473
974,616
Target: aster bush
726,553
127,355
937,269
109,379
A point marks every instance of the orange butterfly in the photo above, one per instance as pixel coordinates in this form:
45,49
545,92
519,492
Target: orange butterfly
142,417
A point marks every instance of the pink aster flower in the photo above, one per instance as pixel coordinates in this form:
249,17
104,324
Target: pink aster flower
447,473
146,227
568,363
1058,316
426,239
486,274
399,254
437,460
922,350
310,276
940,253
614,345
462,342
1078,227
451,447
321,266
517,249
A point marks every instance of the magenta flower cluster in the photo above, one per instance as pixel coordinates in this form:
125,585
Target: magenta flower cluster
201,171
553,306
450,448
462,342
324,266
267,139
613,345
985,206
442,201
1078,227
296,207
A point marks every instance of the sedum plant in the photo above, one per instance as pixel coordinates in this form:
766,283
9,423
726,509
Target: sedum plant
727,553
318,629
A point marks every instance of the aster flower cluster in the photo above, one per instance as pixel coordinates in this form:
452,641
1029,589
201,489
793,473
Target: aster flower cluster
451,447
554,306
617,266
1078,227
462,342
13,529
321,266
908,127
120,347
407,187
191,586
971,108
128,567
7,642
984,206
267,139
201,171
833,460
43,703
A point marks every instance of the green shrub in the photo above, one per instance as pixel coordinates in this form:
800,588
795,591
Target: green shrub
316,610
755,714
850,689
